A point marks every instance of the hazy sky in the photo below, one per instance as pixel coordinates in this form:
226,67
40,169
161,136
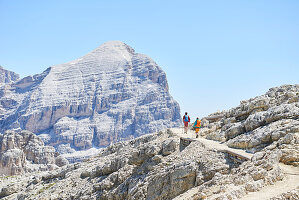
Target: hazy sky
214,52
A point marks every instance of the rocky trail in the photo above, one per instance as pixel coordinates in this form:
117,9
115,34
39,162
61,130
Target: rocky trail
289,182
212,144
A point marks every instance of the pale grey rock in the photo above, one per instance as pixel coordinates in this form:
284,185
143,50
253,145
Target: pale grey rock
248,177
151,166
65,149
8,190
291,195
235,130
12,162
265,135
25,152
257,122
134,169
169,146
289,146
137,169
61,161
108,95
7,76
284,111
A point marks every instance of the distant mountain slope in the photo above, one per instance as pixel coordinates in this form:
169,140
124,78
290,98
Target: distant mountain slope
109,94
7,76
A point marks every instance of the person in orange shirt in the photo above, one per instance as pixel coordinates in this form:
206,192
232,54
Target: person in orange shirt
196,125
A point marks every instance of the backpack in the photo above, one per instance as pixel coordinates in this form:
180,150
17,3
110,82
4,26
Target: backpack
186,118
197,124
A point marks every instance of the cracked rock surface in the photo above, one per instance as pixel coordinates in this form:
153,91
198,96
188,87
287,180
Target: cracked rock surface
23,151
108,95
150,167
268,121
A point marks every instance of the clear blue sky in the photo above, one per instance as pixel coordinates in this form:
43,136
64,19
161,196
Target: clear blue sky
215,52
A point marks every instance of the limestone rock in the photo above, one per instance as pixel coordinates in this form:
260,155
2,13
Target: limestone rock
110,94
257,122
134,169
137,169
289,146
265,135
169,146
23,151
152,166
7,76
291,195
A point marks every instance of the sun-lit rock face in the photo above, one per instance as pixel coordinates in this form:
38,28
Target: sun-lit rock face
270,120
111,93
150,167
24,151
165,165
7,76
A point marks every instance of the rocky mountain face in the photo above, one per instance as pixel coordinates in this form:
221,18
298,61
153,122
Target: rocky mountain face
155,167
110,94
7,76
25,152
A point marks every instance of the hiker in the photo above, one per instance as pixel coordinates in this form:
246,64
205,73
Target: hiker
196,125
186,120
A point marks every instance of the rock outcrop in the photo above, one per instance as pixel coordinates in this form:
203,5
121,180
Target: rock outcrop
25,152
154,166
292,195
7,76
270,120
108,95
150,167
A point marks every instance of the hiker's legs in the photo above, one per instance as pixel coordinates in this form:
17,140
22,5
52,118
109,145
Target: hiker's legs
186,126
196,131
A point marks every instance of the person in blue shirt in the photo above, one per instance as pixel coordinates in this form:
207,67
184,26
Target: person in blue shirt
186,121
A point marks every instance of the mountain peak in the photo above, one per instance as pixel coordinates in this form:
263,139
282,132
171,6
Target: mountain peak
115,45
107,95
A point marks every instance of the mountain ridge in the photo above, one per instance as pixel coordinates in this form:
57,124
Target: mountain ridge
7,76
111,84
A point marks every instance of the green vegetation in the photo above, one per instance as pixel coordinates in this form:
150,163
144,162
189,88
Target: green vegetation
46,188
6,177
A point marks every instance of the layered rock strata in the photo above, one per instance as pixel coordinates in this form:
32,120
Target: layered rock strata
292,195
7,76
108,95
270,120
153,166
150,167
